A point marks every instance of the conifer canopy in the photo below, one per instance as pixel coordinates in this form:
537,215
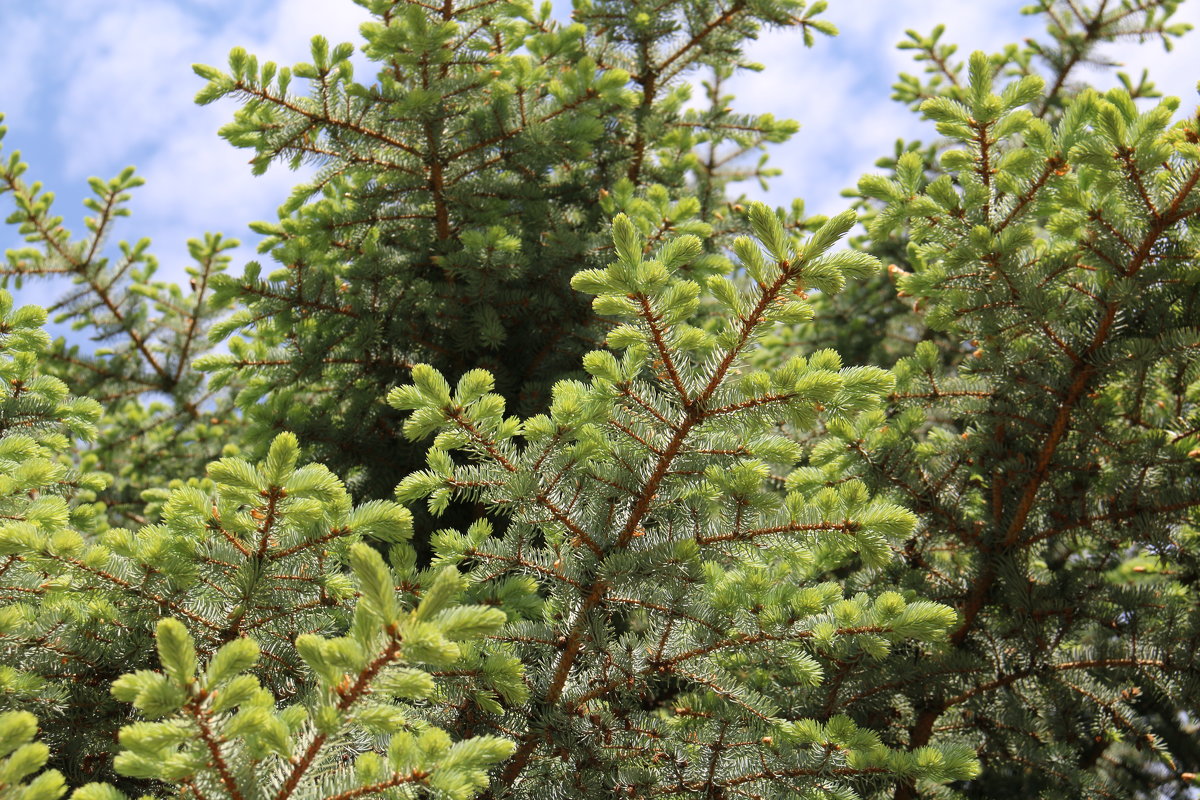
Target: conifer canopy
532,461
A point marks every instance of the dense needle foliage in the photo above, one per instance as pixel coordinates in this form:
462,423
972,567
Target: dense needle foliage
538,465
458,193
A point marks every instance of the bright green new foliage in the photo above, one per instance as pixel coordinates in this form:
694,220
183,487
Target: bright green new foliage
161,421
678,620
653,538
21,757
38,419
460,187
259,568
220,733
870,322
1052,455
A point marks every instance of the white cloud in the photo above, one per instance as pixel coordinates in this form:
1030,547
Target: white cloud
197,182
127,84
19,62
1173,73
121,88
126,67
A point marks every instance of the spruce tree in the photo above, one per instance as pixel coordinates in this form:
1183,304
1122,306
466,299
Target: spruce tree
1045,430
704,558
677,628
646,624
258,573
458,192
873,324
135,336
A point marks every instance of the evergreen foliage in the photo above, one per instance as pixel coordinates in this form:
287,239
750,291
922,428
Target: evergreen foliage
161,420
873,324
20,757
459,192
678,625
1045,432
647,490
703,557
254,563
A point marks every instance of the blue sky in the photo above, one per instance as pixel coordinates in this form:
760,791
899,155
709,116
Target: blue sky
89,88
